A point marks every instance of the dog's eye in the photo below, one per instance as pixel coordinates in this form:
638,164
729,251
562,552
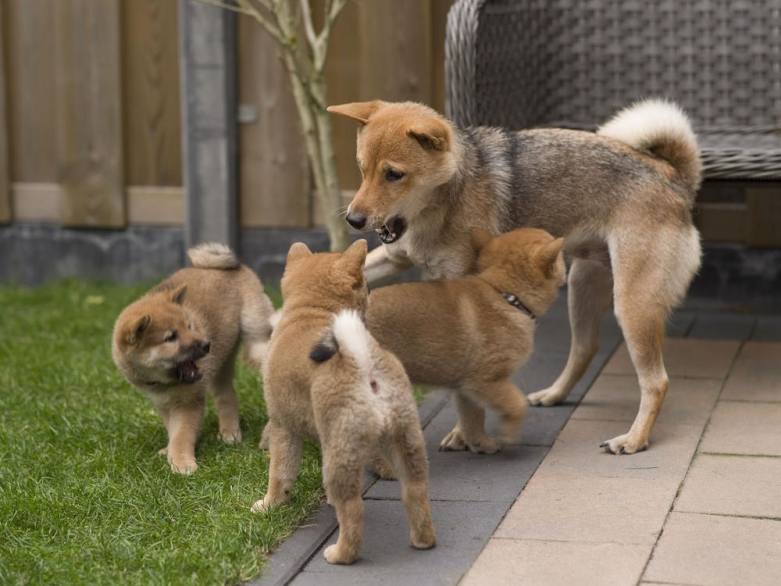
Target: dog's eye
391,175
172,337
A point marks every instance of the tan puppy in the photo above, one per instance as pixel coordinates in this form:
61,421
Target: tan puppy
326,378
471,334
621,198
179,342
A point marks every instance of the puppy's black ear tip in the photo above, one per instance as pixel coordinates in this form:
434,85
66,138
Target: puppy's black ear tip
321,352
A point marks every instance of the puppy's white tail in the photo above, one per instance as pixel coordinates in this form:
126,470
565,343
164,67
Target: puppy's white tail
662,128
349,337
213,255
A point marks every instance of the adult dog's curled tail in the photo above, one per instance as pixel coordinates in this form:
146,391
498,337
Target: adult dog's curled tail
213,255
349,337
662,128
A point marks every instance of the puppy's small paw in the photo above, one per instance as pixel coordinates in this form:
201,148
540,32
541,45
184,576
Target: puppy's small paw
163,451
185,467
230,436
260,507
333,556
625,444
546,397
455,441
425,540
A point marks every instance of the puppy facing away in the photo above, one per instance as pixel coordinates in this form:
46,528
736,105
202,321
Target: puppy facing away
326,378
471,334
179,342
621,197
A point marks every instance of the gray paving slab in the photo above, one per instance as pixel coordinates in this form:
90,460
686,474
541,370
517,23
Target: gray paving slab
386,557
767,329
464,476
722,326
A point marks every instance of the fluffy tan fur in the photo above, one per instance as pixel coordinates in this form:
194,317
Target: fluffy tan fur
179,342
326,378
463,334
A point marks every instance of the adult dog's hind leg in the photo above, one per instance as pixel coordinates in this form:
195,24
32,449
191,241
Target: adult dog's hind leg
590,289
651,275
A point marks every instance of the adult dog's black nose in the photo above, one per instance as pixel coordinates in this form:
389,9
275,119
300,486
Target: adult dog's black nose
357,221
206,346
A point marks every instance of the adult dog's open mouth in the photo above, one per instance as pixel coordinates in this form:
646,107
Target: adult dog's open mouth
187,372
392,230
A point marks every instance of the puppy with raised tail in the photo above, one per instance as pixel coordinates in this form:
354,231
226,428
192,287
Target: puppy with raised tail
326,378
178,343
472,333
621,198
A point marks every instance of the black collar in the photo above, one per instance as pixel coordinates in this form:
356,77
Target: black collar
518,304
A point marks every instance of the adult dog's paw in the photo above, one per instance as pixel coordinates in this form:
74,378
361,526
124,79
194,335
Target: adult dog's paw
546,397
625,444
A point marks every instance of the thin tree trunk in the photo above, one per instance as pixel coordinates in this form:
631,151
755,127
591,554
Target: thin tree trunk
310,95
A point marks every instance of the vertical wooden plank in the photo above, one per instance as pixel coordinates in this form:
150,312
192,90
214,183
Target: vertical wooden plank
396,50
31,89
379,50
439,10
89,116
150,92
343,74
273,169
5,183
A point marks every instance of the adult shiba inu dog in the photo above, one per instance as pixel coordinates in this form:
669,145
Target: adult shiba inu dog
326,378
621,198
179,342
472,333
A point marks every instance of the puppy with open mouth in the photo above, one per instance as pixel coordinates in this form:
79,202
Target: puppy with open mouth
621,198
179,342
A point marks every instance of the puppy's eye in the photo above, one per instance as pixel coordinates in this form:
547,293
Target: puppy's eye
172,337
391,175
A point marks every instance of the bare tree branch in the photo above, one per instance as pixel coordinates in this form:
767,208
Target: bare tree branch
306,10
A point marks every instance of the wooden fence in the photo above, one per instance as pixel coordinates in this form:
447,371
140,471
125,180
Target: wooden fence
90,116
90,105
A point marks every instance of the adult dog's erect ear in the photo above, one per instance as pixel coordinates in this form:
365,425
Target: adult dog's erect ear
431,133
480,238
360,111
298,251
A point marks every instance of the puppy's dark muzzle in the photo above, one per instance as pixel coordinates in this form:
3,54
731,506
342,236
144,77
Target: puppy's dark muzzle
199,350
357,221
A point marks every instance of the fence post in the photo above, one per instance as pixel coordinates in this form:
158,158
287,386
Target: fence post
208,82
5,181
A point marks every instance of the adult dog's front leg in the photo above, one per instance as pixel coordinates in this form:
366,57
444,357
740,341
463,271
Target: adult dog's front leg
381,265
589,295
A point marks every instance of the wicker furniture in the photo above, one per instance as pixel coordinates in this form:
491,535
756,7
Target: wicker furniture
574,63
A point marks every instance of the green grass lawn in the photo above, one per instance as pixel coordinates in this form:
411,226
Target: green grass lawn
84,497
